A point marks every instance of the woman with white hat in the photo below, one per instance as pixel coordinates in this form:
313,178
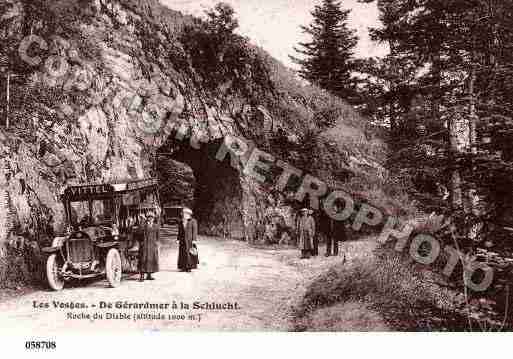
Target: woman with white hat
187,235
306,232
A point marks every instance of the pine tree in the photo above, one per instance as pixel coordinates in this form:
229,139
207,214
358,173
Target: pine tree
386,86
221,24
327,60
464,58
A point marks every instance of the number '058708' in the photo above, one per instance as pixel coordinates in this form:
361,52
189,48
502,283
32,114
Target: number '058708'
40,345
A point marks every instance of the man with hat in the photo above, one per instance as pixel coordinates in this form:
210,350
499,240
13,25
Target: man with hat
148,248
187,235
306,232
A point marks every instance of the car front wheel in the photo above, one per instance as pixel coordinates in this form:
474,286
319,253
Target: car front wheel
113,267
55,281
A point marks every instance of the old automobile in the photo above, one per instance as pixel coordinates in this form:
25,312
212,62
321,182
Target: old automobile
102,226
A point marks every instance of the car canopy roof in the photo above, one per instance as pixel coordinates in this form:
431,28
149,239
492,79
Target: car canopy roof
91,191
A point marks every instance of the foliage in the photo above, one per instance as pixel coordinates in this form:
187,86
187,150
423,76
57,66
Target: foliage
221,20
220,56
327,60
20,263
448,109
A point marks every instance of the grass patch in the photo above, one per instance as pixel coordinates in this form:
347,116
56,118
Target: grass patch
382,284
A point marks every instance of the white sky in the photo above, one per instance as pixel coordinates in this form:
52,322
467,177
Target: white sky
274,24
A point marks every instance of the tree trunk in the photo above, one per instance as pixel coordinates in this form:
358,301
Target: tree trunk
459,137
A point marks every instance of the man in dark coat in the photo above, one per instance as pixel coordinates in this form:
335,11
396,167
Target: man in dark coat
187,235
148,248
315,240
336,232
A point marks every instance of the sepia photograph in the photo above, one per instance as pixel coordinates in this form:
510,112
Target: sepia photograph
333,166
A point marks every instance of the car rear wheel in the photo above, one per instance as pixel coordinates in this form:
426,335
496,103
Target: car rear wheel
113,267
52,273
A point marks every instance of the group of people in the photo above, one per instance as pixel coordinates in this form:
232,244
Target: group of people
148,237
308,238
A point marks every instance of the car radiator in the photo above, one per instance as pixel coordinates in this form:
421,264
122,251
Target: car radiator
80,250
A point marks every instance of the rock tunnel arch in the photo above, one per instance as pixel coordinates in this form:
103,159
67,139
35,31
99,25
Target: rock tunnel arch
213,188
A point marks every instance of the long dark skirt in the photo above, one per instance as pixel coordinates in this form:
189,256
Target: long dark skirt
148,250
185,260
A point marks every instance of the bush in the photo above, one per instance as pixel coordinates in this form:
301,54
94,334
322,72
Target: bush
224,59
21,264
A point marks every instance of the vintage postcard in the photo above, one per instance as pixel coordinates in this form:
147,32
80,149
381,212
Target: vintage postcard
270,165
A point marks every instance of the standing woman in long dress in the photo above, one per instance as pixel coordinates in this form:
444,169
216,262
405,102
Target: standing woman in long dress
306,233
187,235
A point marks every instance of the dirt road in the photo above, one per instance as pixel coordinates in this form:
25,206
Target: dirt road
265,283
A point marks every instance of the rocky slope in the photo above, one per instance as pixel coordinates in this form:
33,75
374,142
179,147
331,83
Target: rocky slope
119,91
